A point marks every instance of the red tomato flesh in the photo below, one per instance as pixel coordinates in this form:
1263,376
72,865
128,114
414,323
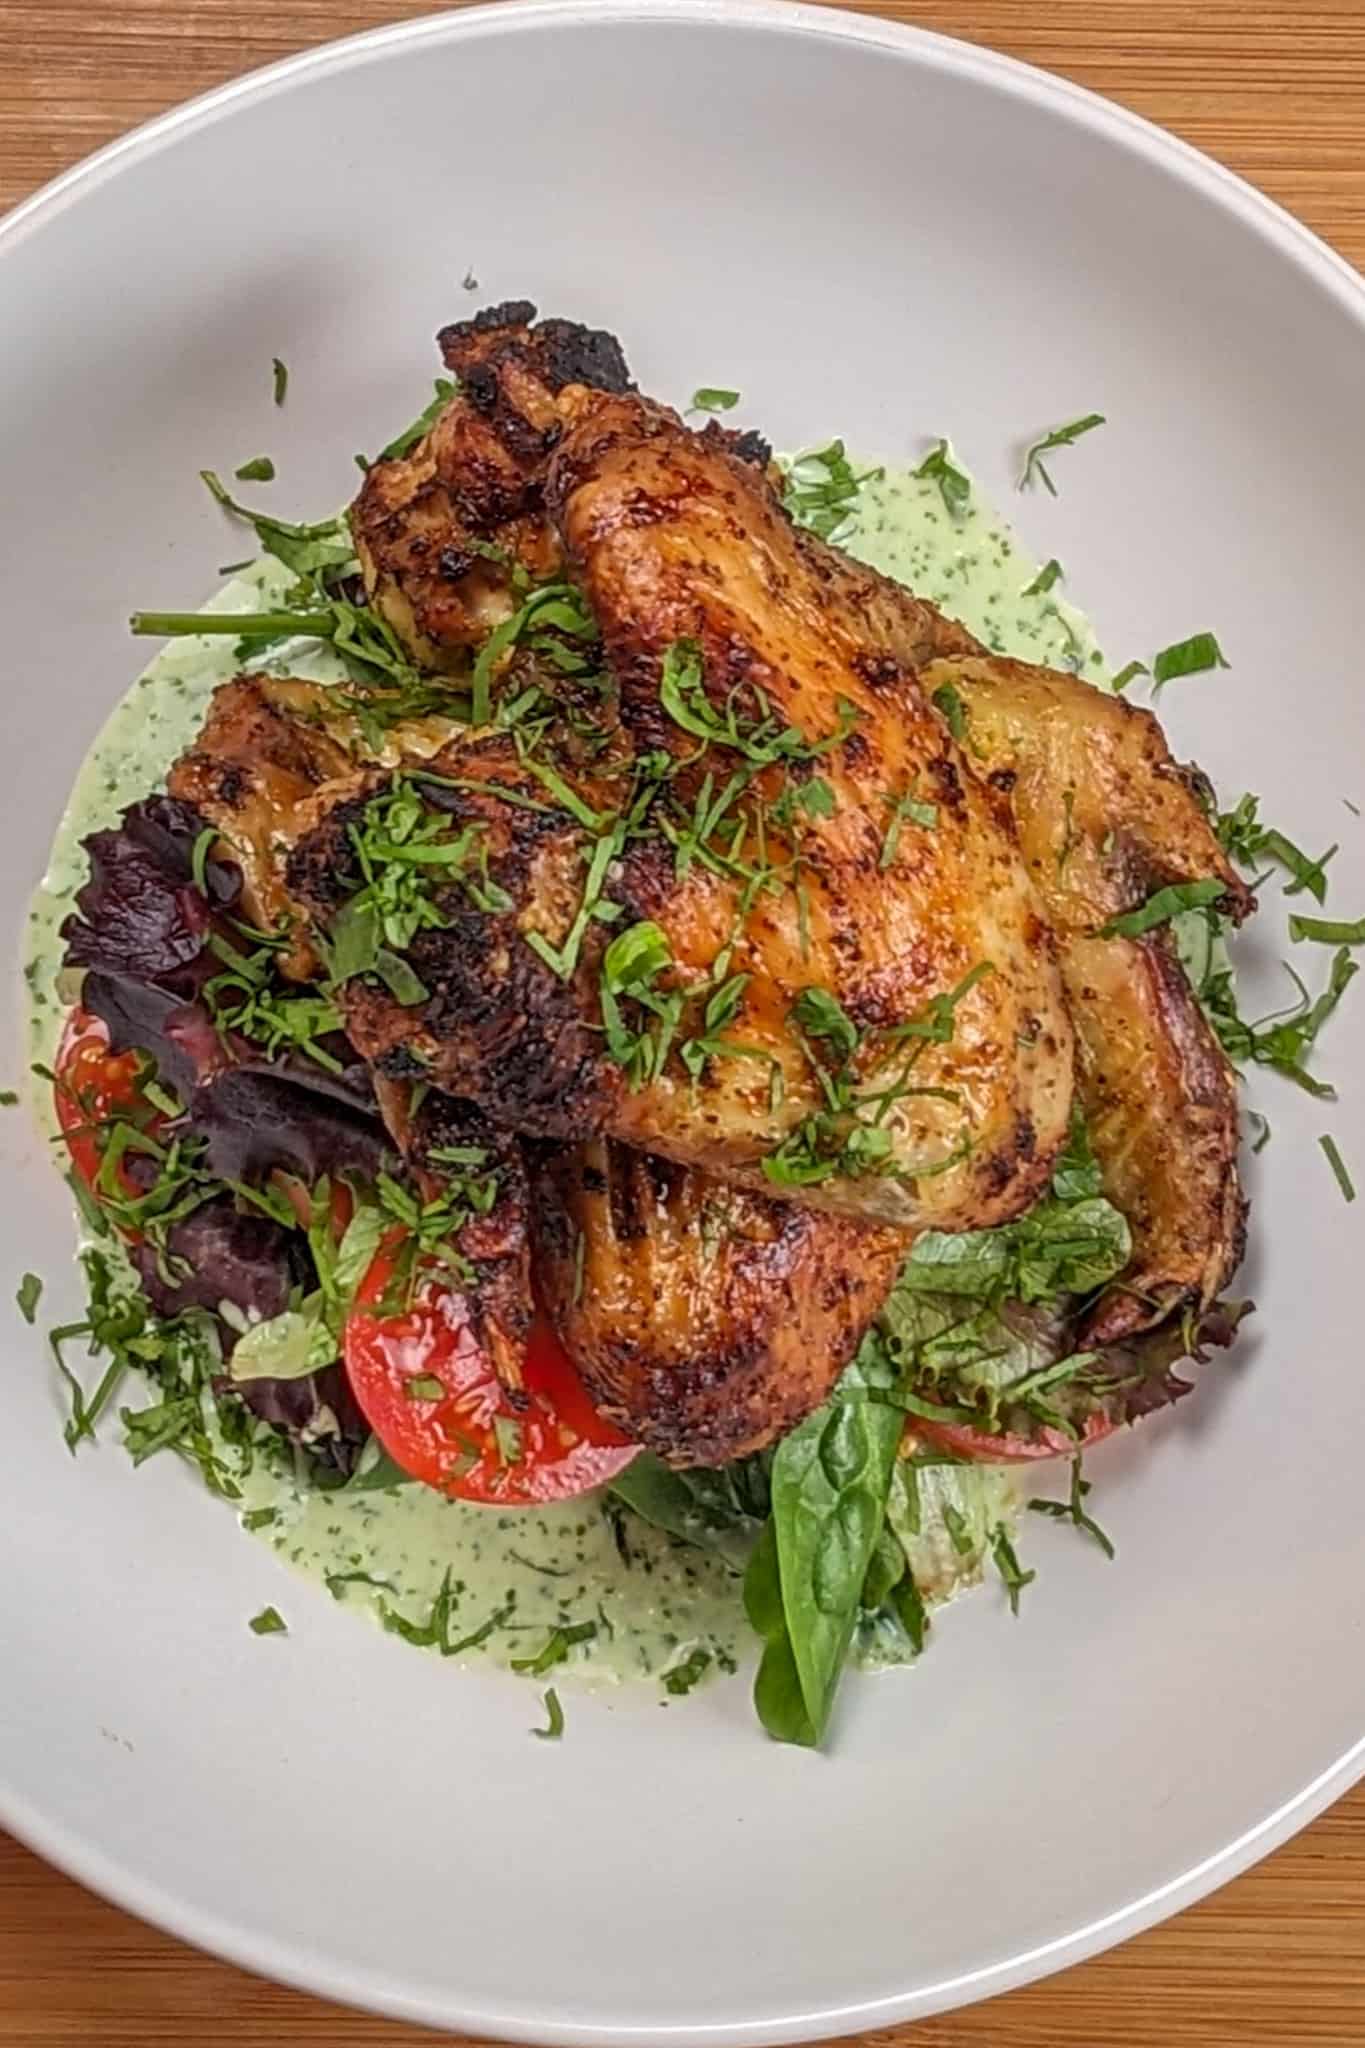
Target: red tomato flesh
962,1441
469,1440
94,1084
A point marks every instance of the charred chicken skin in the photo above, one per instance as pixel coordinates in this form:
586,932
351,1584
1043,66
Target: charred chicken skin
704,1319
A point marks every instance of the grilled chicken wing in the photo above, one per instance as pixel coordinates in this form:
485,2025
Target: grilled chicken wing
1105,818
704,1319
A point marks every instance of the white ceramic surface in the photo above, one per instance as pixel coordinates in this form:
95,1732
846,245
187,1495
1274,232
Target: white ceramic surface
872,232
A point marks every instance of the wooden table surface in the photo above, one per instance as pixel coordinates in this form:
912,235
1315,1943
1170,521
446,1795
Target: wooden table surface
1276,90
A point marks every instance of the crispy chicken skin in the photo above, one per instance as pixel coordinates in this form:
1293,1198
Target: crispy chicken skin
1106,818
436,528
704,1319
261,756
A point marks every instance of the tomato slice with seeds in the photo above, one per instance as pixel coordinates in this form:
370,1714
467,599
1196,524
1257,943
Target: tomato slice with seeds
94,1084
428,1390
963,1441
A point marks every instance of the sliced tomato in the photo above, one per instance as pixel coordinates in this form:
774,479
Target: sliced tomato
94,1084
468,1439
963,1441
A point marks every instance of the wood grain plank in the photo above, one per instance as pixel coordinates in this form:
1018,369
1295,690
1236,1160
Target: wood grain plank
1276,90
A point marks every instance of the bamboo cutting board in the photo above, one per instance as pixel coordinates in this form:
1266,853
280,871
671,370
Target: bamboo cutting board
1276,90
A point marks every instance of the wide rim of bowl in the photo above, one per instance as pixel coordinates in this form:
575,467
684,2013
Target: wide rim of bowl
330,1976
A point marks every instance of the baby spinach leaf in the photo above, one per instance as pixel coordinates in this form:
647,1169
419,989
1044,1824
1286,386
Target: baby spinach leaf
830,1479
778,1698
717,1511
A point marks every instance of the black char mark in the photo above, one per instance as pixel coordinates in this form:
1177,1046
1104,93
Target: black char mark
561,351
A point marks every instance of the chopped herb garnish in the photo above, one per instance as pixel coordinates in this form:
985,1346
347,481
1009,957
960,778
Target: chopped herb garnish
1127,674
903,808
960,1536
1338,1166
199,858
424,1386
680,1678
122,1328
1328,931
1072,1242
1162,907
1262,1125
1050,573
337,1582
556,1649
822,1016
762,739
1281,1040
280,379
1187,658
405,853
260,1518
563,959
948,703
444,390
269,1622
1057,437
1072,1509
1245,839
1008,1565
798,800
822,490
8,1098
554,623
631,969
710,398
554,1726
848,1137
434,1632
260,470
303,548
955,489
722,1008
28,1295
507,1436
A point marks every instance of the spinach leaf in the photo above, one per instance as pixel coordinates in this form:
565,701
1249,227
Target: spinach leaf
717,1511
830,1480
778,1699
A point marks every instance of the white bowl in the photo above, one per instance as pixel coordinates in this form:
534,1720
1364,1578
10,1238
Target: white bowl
870,232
